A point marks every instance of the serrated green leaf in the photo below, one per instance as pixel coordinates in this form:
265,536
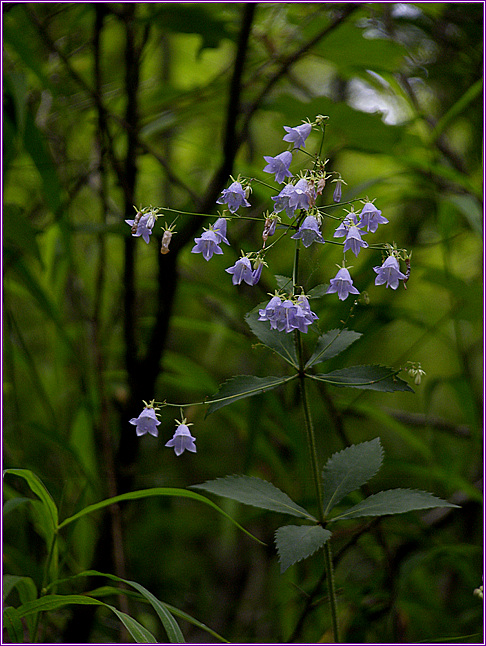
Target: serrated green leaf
243,386
332,343
379,378
318,291
347,470
393,501
297,542
284,282
281,342
255,492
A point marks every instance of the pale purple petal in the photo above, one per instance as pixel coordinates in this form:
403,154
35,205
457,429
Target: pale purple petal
389,273
146,422
342,283
298,135
241,270
279,165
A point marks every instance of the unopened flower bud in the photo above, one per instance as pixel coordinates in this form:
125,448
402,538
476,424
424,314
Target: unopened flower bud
166,238
336,196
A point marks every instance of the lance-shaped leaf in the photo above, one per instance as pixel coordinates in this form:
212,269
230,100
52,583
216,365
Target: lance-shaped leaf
49,509
347,470
149,493
281,342
243,386
255,492
366,377
393,501
13,625
170,624
106,590
55,601
332,343
297,542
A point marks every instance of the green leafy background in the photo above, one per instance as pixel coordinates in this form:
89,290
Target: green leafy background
111,105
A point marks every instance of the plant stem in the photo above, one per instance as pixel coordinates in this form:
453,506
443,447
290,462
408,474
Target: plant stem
332,590
311,443
309,428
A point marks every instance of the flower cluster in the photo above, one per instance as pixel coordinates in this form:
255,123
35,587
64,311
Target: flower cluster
288,314
295,214
297,199
414,369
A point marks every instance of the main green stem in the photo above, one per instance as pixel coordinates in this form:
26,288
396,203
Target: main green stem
331,585
309,427
311,443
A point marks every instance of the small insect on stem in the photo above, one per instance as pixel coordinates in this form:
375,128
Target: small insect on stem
136,221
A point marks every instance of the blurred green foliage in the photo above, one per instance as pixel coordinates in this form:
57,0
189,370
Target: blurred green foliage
112,105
